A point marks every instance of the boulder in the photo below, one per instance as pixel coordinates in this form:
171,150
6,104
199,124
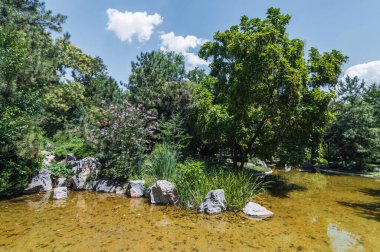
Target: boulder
106,186
147,192
85,173
60,193
214,203
136,188
63,182
261,163
163,192
41,182
255,211
120,190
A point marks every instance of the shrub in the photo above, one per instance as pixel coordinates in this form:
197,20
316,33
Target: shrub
121,135
59,170
64,144
194,183
16,174
164,162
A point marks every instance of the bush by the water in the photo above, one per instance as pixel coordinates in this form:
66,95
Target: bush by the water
164,162
194,183
59,170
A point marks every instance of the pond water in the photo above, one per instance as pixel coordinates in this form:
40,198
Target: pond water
313,212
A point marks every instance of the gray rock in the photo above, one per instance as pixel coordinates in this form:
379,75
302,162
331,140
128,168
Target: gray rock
164,192
106,186
214,203
255,211
48,158
136,188
147,192
71,157
261,163
120,190
63,182
86,173
60,193
41,182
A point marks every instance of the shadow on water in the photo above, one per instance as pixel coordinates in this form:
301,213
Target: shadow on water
371,192
370,210
279,186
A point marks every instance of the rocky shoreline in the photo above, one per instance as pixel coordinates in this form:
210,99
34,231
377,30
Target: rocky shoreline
86,177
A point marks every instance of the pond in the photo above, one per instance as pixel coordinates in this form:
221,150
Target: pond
313,212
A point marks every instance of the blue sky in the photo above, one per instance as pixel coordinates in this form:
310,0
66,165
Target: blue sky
119,30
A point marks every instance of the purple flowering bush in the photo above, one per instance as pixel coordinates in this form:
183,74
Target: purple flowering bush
123,134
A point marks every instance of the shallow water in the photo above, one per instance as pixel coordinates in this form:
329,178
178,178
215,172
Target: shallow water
312,213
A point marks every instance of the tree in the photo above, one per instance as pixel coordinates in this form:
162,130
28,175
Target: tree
261,80
352,137
150,72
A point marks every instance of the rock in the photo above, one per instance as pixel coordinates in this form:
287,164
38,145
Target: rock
261,163
214,203
164,192
86,173
70,157
255,211
120,190
41,182
376,169
106,186
60,193
49,158
136,188
287,168
147,192
63,182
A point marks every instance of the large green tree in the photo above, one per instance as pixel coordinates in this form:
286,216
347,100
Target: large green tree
262,86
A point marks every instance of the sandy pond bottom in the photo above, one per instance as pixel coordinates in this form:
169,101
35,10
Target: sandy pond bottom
335,214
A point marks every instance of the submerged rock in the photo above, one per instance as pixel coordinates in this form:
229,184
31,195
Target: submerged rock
86,173
60,193
214,203
136,188
106,186
41,182
256,211
163,192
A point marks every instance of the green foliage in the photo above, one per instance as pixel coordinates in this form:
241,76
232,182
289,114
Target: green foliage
66,142
59,170
352,137
15,174
164,162
121,134
193,184
260,86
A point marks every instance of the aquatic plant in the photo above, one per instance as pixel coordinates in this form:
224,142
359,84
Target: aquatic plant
164,162
194,183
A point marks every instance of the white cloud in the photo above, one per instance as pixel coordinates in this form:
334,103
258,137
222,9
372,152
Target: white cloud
369,71
180,44
127,25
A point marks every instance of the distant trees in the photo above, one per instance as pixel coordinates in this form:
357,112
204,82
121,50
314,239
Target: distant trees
354,139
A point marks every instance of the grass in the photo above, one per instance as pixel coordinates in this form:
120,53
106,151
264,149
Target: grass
164,162
239,188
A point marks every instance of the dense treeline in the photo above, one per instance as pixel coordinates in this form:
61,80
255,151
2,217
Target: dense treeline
262,99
